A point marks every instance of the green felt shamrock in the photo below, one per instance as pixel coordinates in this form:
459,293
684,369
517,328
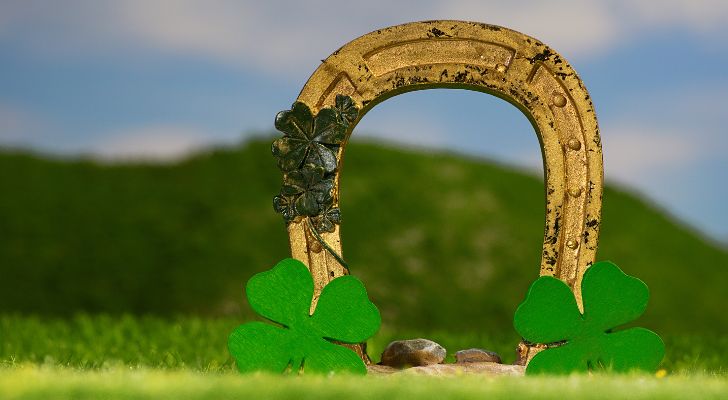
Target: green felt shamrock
309,139
590,340
302,341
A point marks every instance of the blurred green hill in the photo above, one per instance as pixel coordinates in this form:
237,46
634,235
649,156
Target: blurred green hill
441,241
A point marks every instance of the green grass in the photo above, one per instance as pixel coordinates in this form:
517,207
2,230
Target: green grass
131,357
428,233
98,342
35,383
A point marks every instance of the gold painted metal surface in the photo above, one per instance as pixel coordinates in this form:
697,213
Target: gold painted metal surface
494,60
490,59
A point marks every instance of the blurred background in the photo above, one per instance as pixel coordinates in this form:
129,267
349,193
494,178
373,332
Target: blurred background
136,176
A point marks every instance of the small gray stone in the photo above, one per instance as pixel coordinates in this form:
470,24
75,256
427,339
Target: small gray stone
413,353
476,355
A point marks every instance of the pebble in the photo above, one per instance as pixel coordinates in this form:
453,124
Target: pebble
413,353
477,355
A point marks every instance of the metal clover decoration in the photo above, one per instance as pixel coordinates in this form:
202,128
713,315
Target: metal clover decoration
591,340
308,156
299,340
315,140
307,190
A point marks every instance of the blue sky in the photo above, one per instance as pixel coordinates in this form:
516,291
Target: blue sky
159,79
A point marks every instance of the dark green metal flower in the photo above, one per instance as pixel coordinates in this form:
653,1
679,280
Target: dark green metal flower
305,192
348,112
309,139
285,206
308,154
327,220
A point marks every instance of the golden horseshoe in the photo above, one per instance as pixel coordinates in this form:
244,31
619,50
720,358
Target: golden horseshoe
486,58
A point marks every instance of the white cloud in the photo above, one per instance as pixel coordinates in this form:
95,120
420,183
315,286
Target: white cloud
635,153
12,123
23,128
703,16
661,132
408,128
19,127
291,36
571,27
155,143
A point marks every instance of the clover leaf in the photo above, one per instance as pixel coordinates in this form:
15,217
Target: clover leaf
302,341
307,190
285,206
309,139
328,219
591,340
346,108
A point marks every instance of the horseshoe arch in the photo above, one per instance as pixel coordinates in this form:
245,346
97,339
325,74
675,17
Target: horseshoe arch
490,59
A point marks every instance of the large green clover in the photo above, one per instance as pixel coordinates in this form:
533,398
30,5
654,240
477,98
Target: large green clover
302,341
308,139
611,299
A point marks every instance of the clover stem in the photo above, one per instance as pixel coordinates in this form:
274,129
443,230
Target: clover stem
325,245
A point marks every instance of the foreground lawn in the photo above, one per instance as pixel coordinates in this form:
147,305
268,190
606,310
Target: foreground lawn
42,383
128,357
93,342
